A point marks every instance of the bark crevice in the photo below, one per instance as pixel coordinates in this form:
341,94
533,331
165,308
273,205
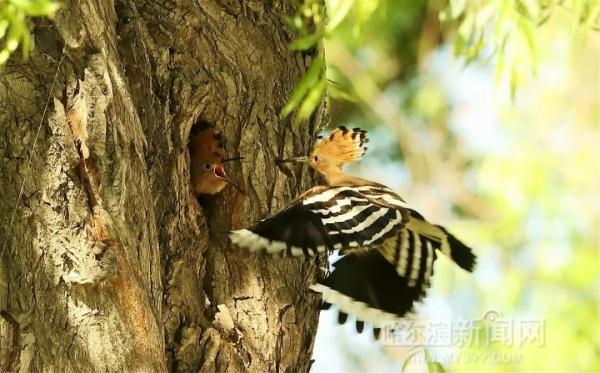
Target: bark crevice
111,264
10,342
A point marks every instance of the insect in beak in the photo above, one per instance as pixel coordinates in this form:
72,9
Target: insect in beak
219,172
303,159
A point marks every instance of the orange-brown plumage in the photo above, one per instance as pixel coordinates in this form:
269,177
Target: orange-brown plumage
342,146
207,155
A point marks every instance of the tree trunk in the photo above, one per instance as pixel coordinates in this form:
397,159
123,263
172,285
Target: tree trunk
107,260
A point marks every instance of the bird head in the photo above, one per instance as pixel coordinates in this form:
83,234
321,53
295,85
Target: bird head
207,154
342,146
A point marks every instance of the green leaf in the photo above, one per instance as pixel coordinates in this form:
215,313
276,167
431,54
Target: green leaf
445,15
364,11
303,86
464,34
338,14
25,45
580,8
13,22
36,7
527,30
4,54
439,367
500,60
313,98
459,45
3,27
296,23
12,43
341,94
432,366
594,17
412,354
306,42
457,7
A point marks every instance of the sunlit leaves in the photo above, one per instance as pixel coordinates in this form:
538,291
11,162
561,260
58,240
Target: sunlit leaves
308,91
531,164
432,365
337,11
13,26
312,100
306,42
313,22
309,22
339,86
506,30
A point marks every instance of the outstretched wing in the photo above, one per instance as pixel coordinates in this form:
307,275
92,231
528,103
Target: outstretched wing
325,218
382,284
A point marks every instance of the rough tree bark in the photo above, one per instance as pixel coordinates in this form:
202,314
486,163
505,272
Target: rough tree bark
110,263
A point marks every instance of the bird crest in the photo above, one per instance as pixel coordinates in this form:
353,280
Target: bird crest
387,249
342,145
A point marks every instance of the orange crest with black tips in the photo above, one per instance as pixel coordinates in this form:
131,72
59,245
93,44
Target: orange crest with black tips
343,145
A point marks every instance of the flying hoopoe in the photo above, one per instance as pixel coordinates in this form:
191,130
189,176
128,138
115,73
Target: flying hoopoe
207,155
388,249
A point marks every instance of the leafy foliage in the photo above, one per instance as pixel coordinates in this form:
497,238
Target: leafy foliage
314,22
308,91
506,31
487,120
13,23
495,30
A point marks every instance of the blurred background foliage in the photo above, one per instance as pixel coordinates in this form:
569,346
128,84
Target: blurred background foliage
14,30
484,115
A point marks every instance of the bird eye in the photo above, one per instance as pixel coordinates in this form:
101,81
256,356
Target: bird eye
316,158
207,166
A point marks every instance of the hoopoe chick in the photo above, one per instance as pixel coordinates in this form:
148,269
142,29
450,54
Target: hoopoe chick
207,155
387,249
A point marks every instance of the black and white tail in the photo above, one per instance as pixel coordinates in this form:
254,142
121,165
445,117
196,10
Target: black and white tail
443,240
382,284
460,253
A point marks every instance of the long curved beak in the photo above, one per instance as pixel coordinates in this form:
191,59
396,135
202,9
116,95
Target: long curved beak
303,159
232,159
220,173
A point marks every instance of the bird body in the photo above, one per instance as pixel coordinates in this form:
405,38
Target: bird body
387,249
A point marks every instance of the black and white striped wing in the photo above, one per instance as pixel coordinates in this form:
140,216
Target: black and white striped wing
412,256
381,285
325,218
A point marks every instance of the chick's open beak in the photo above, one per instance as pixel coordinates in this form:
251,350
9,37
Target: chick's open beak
219,172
